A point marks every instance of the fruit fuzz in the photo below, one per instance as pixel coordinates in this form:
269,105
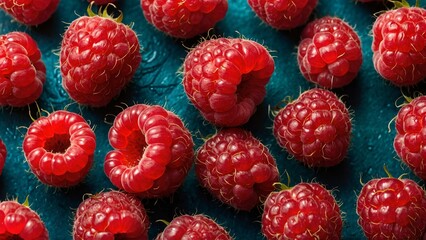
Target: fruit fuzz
99,55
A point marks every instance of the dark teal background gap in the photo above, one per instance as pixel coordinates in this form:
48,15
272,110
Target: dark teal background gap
372,102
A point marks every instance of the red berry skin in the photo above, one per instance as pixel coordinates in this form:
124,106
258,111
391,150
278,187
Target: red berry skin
184,18
18,221
329,54
153,151
399,45
226,79
59,148
410,140
30,12
283,15
236,168
3,154
98,57
193,227
391,208
22,71
111,215
305,211
315,128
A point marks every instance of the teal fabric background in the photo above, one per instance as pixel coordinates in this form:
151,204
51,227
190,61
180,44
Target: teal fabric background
372,102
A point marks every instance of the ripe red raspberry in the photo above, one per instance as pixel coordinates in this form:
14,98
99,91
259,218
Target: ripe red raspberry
315,128
30,12
18,221
391,208
98,57
3,154
305,211
236,168
59,148
329,53
410,141
193,227
152,153
225,79
22,72
399,45
111,215
184,18
283,15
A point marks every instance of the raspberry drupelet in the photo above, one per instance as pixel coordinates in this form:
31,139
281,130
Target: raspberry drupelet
153,151
3,154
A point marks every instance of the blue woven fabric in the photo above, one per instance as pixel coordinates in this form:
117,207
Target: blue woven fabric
370,99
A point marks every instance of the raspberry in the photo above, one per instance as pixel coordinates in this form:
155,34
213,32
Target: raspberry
30,12
111,215
225,79
98,57
391,208
283,15
22,72
18,221
399,45
3,154
330,52
193,227
184,18
315,128
152,153
236,168
59,148
305,211
410,141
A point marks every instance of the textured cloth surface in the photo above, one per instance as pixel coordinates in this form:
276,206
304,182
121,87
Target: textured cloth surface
371,100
